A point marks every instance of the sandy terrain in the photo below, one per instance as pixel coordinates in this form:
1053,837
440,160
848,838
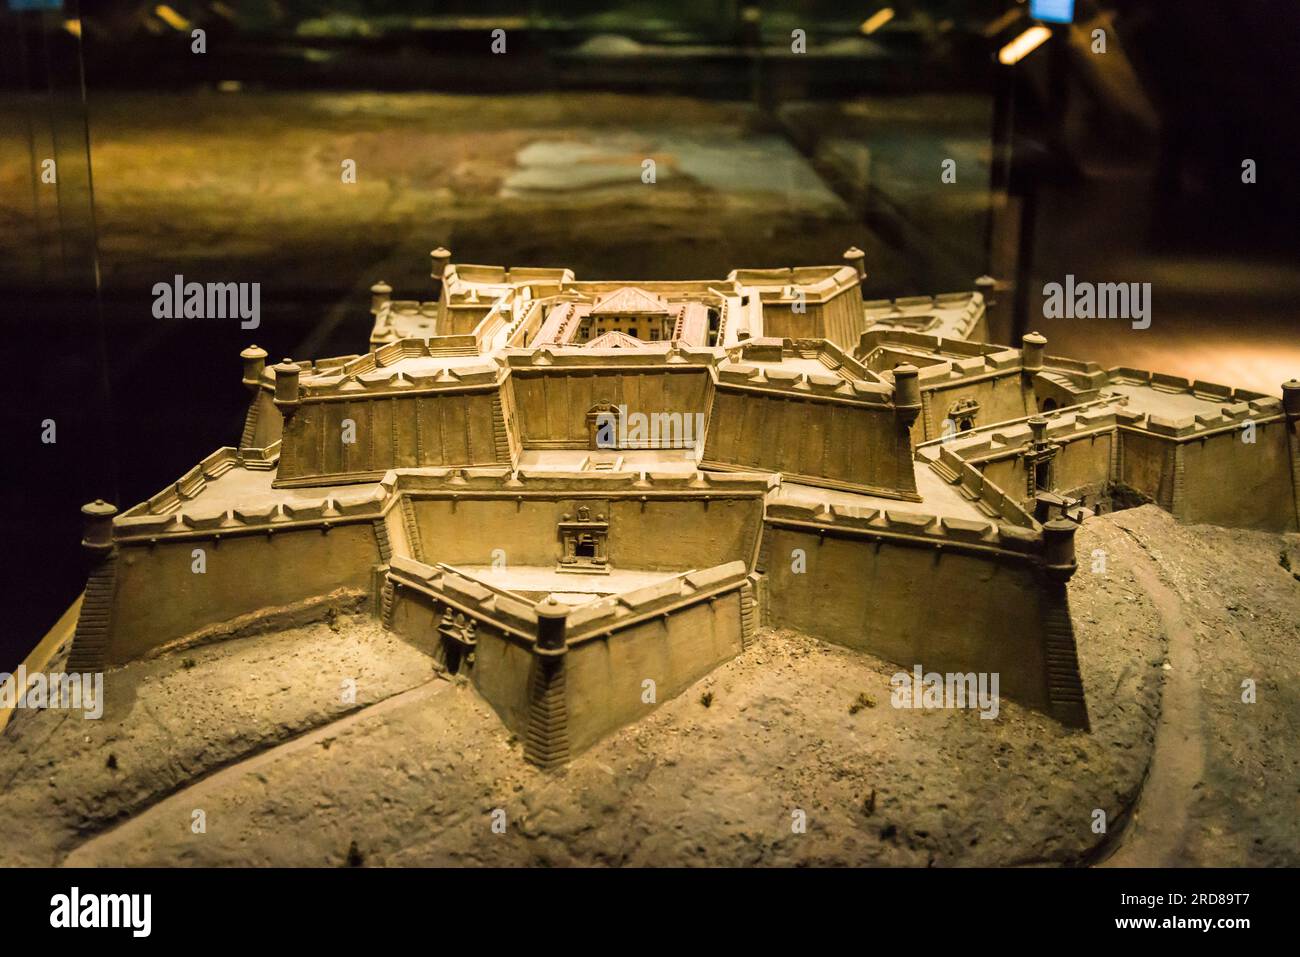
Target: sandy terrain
253,733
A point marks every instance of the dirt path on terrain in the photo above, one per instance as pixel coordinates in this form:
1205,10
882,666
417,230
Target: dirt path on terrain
1156,835
180,805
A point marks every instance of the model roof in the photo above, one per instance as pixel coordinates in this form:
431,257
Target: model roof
630,301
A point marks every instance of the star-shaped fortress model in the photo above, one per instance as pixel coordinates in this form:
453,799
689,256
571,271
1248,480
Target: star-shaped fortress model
584,496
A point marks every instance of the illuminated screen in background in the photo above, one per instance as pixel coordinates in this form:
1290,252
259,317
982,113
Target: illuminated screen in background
1052,11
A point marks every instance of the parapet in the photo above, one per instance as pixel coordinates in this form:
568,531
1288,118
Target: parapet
771,364
940,360
405,366
596,619
567,356
182,510
603,617
1016,542
511,614
173,515
813,284
504,482
1193,409
993,441
951,315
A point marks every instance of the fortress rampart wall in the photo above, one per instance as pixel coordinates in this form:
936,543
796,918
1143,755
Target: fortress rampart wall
836,315
551,401
562,678
950,595
818,441
1202,467
1080,469
1216,477
159,598
663,532
1085,438
272,554
833,431
674,648
997,396
987,381
1180,463
399,419
816,428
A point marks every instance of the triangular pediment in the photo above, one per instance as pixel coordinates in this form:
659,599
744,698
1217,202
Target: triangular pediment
630,301
615,340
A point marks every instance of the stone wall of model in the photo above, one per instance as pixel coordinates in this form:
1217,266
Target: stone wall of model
837,318
354,425
826,441
1178,463
359,440
815,427
658,533
950,595
551,402
218,562
562,678
215,563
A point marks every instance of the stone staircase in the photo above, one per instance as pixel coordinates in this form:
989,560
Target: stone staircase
247,440
547,744
90,640
412,529
500,435
1066,390
1064,685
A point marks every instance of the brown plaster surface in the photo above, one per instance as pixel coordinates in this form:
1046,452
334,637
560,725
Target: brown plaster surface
241,487
938,497
547,579
1150,400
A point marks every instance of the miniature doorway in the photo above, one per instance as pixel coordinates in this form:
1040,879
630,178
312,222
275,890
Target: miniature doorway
584,540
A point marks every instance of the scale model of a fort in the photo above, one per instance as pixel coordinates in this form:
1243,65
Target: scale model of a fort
870,473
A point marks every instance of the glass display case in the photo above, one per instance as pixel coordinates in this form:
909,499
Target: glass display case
556,348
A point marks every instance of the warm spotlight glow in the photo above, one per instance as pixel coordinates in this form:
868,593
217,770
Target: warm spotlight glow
73,27
877,20
1023,45
171,17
